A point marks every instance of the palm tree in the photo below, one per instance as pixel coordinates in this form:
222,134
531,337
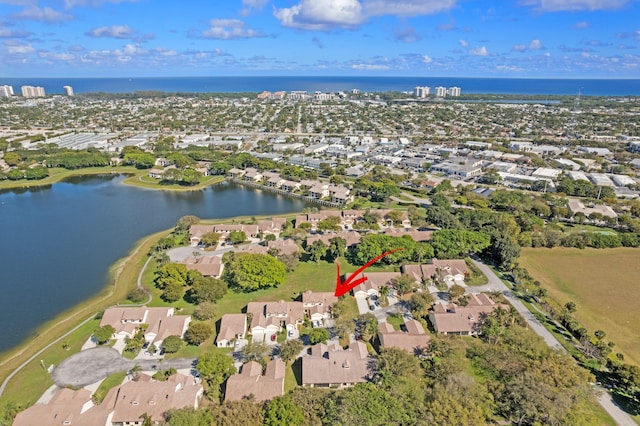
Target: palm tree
384,292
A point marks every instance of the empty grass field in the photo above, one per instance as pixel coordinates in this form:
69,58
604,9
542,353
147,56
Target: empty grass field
603,283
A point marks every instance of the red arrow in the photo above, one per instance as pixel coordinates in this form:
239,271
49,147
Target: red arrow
352,281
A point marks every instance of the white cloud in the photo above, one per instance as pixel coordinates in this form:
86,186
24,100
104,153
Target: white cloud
406,8
407,34
114,31
535,44
250,5
464,43
19,48
166,52
93,3
321,14
479,51
427,59
324,15
46,14
509,68
57,56
229,29
582,25
370,67
574,5
8,33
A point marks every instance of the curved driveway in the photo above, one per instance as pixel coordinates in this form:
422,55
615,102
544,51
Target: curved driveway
92,365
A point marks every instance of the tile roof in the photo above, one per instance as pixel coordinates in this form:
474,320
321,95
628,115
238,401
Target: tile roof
250,381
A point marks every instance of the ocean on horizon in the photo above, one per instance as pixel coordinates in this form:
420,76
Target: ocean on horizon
506,86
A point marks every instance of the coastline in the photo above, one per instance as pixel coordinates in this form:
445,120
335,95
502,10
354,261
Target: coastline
59,175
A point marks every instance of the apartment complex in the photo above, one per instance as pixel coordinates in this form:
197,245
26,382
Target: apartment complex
33,91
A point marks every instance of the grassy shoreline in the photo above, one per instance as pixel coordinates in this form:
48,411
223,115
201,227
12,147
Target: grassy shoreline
139,178
123,277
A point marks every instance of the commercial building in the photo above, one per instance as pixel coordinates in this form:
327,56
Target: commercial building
33,91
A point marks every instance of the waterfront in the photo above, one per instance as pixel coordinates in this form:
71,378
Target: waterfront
256,84
59,241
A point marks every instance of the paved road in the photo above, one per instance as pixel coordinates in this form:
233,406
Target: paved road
95,364
496,284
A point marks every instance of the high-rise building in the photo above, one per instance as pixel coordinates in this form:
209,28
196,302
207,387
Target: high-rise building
68,90
422,91
441,92
6,91
33,91
453,91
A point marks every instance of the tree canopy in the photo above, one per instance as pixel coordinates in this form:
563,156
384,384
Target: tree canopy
250,272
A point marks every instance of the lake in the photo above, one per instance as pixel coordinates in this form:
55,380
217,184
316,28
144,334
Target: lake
58,242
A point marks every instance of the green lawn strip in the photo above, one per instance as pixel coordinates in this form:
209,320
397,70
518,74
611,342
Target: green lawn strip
57,174
289,379
31,382
142,180
476,277
395,320
106,385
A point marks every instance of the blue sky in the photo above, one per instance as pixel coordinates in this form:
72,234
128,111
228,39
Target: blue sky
457,38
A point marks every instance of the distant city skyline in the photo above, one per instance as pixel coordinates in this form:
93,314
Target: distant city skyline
463,38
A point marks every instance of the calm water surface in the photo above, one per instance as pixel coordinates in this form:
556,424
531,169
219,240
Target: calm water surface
58,242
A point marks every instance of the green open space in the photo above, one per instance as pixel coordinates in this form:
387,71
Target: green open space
33,379
143,180
110,382
57,174
601,282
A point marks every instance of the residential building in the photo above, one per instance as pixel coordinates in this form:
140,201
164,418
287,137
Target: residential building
144,395
161,322
463,320
208,266
422,91
6,91
317,306
66,407
413,339
441,92
330,366
375,280
449,271
453,91
250,381
32,91
68,90
232,327
269,318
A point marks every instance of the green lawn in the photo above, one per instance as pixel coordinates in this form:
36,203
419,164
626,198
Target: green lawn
395,320
108,383
143,180
34,380
57,174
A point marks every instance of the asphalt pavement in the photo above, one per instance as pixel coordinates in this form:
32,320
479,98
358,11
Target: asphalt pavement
92,365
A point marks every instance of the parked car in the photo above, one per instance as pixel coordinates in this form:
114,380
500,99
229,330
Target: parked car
273,337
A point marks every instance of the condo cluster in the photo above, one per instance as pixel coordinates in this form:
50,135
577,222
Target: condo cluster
6,91
440,92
